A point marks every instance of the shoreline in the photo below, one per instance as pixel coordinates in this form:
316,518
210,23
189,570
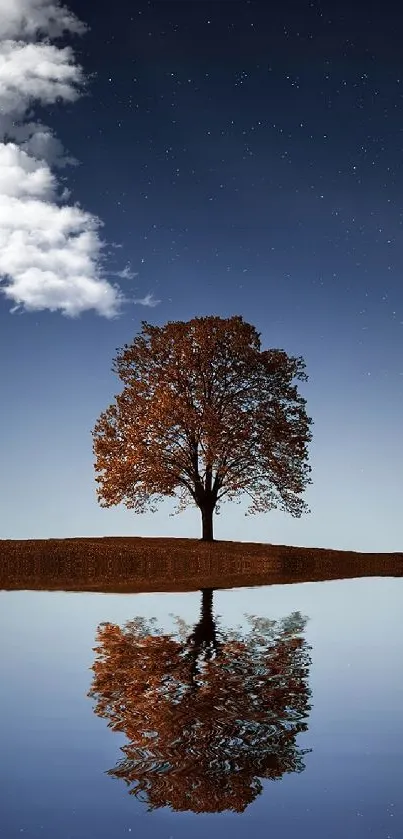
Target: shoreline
135,564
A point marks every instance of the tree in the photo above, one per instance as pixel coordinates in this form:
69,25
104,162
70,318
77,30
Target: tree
207,715
204,414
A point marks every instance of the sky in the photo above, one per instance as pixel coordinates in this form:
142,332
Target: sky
180,159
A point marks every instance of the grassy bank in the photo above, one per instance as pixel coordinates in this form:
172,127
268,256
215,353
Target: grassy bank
136,564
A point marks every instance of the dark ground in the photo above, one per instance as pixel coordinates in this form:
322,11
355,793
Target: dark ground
137,564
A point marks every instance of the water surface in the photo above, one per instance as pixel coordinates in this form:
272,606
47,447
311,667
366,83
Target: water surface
285,702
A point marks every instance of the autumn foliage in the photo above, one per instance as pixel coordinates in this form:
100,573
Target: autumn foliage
204,415
208,715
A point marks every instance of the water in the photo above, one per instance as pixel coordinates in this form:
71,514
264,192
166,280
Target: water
316,708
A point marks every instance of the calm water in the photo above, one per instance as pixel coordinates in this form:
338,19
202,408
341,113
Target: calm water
277,709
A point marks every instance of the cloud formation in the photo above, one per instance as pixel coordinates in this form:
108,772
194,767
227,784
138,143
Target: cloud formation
148,300
126,273
51,253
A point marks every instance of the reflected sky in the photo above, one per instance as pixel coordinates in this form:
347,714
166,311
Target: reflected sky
56,751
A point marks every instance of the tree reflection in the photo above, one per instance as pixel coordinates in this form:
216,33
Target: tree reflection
208,714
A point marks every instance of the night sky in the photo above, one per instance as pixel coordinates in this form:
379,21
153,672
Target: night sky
242,158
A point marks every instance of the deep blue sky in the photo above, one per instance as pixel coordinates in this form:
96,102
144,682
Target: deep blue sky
247,157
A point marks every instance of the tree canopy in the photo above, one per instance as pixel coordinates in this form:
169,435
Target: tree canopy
208,714
205,415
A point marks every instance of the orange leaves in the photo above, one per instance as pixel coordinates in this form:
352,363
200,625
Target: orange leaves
203,414
216,728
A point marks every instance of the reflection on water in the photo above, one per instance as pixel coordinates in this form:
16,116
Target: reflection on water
208,713
216,731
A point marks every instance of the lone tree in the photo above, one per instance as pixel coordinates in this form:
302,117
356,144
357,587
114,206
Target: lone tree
204,414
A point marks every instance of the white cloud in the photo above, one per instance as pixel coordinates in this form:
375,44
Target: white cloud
148,300
126,273
39,71
51,253
31,18
42,144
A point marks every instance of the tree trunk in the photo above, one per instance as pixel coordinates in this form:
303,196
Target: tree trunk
202,644
207,523
207,608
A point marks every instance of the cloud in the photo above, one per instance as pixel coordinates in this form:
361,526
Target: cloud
148,300
126,273
37,71
30,18
51,253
